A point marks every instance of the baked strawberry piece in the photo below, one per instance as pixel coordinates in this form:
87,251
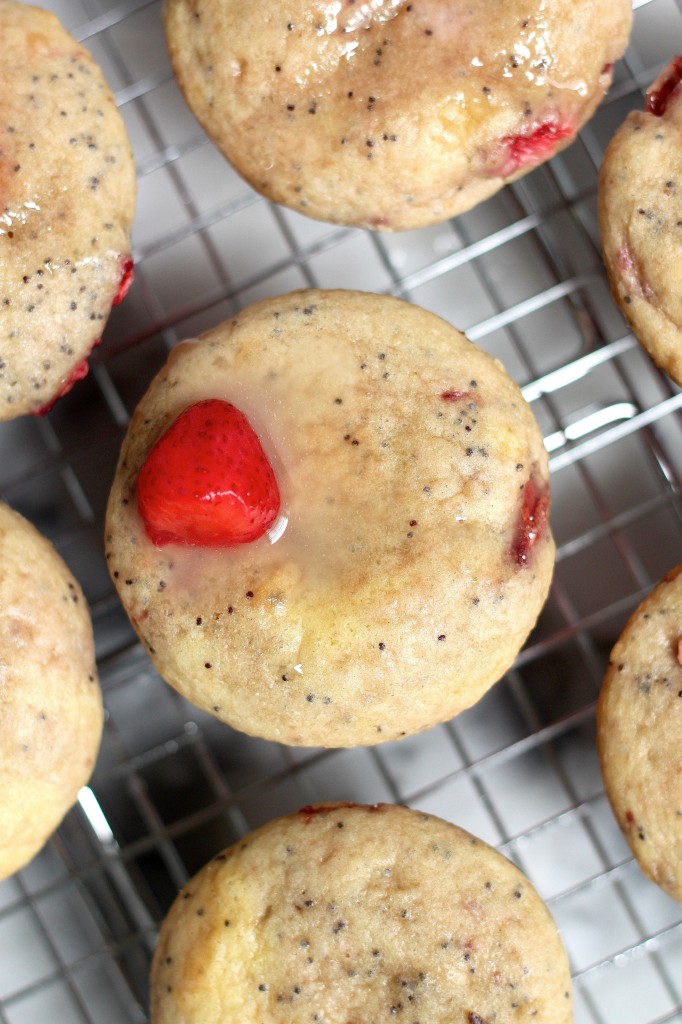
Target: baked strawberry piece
207,480
532,520
664,88
539,142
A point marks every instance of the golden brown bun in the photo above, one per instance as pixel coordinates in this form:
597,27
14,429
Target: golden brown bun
640,220
640,731
67,180
396,596
392,115
348,913
50,700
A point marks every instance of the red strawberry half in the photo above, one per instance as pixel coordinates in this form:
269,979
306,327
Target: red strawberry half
207,480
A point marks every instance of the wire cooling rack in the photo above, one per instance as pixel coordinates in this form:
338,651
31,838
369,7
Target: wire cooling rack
522,275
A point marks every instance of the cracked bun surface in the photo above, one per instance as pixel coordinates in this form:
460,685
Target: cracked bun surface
351,913
392,115
640,220
50,699
67,180
639,731
412,552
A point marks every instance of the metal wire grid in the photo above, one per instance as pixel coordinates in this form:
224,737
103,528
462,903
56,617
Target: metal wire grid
522,275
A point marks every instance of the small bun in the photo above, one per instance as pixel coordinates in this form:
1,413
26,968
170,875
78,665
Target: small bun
414,554
350,913
640,220
50,699
639,727
67,179
392,115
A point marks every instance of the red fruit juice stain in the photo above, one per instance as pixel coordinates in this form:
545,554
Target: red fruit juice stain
532,148
658,96
532,521
78,373
312,810
127,275
454,395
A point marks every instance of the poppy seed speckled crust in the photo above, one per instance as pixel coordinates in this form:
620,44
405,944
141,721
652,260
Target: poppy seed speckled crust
412,555
50,700
344,912
397,114
67,197
639,733
640,220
